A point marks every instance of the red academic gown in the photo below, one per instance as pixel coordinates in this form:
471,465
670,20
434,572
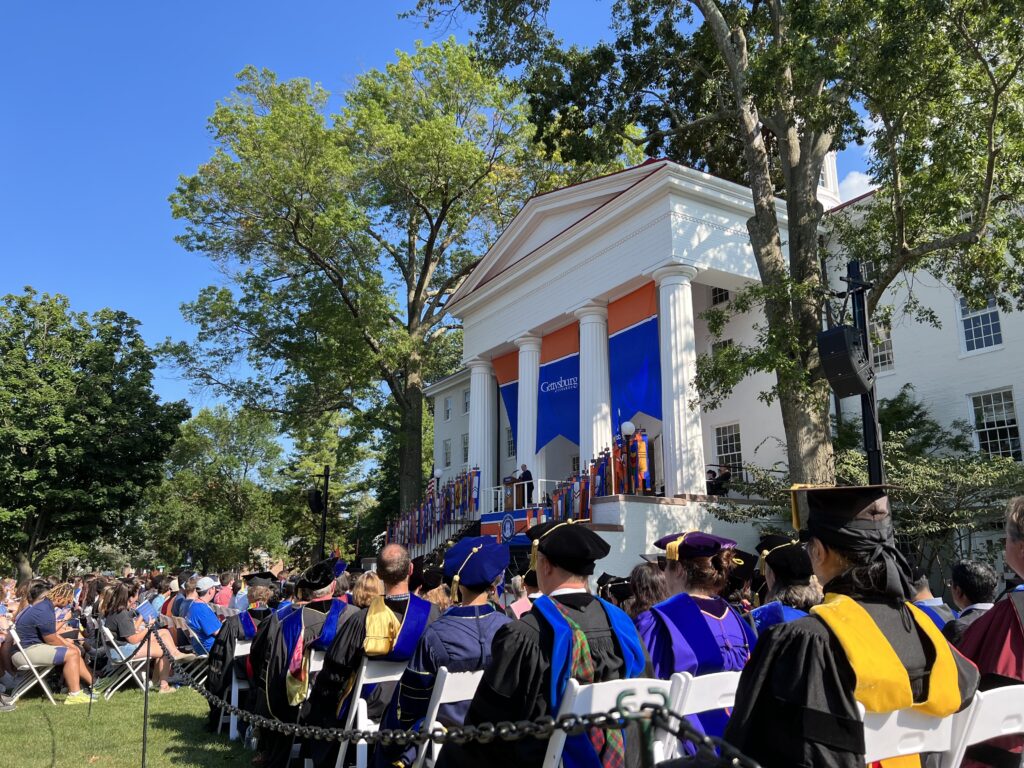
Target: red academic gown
995,643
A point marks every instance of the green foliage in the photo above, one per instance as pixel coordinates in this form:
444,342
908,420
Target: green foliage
216,508
344,235
944,493
82,434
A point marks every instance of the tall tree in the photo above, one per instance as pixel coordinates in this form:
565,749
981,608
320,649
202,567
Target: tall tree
760,92
345,235
216,504
82,434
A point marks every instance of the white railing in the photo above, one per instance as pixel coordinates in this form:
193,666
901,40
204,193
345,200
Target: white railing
516,495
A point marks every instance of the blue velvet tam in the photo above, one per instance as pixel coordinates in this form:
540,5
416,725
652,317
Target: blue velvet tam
686,545
339,568
477,562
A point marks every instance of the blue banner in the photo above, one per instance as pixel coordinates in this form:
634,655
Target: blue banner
510,397
558,401
634,364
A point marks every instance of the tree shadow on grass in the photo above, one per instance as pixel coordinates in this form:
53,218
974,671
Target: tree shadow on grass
53,737
186,742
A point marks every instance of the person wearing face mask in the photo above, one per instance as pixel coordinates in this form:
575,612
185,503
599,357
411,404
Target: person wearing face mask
867,644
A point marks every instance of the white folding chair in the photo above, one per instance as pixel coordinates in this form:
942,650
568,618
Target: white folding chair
904,732
626,695
449,688
31,674
196,668
371,671
238,684
136,669
994,713
690,696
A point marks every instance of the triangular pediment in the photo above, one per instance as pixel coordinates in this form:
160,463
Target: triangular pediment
547,216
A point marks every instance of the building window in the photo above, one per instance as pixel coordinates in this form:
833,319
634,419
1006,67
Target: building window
719,296
447,448
981,326
575,463
881,345
729,449
995,423
465,448
510,444
718,346
465,401
447,409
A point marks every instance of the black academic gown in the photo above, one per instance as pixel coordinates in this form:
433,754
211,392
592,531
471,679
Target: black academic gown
516,685
340,664
273,665
795,706
222,653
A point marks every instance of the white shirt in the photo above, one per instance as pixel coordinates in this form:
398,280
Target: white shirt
569,591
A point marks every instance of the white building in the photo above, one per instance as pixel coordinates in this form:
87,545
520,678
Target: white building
655,246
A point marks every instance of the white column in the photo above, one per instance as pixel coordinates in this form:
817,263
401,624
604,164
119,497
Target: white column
482,417
683,443
526,417
595,395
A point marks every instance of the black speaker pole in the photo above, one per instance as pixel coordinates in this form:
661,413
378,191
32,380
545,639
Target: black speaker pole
869,412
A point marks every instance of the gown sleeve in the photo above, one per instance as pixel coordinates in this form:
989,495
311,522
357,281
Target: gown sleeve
795,705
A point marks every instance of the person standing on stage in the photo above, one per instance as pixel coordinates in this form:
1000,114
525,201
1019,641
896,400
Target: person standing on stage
867,644
460,641
525,476
567,633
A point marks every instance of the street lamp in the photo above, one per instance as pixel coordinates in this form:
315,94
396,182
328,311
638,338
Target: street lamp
628,428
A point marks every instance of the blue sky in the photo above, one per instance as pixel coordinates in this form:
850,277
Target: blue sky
105,104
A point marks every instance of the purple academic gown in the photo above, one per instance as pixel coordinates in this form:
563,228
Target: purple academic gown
698,635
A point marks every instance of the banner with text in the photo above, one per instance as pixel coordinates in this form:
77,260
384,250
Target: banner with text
558,395
506,371
634,356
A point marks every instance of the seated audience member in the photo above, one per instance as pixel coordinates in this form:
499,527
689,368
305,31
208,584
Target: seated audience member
343,587
116,608
530,593
995,641
37,628
867,644
973,589
439,596
568,631
934,607
201,618
162,588
367,588
187,593
793,588
649,587
614,589
739,590
389,629
696,630
285,606
460,640
240,627
223,594
312,626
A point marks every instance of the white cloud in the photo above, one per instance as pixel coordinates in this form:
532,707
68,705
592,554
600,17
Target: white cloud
854,184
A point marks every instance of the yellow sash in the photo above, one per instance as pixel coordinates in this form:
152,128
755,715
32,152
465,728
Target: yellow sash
382,628
883,684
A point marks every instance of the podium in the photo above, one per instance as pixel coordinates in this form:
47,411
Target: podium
515,493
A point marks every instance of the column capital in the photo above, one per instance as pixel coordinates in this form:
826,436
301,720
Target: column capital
479,364
592,309
528,341
674,272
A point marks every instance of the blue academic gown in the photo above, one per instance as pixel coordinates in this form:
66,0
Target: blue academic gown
700,636
770,614
461,641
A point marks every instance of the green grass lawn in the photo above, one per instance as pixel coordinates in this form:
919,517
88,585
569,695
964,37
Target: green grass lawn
40,735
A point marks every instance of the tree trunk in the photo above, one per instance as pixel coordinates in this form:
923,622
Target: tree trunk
808,442
410,438
24,568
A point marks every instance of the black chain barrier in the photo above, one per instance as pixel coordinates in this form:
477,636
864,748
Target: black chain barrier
542,728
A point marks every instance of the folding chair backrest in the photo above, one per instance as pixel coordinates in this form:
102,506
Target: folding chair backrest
17,641
708,692
111,642
993,713
370,671
626,695
449,688
904,732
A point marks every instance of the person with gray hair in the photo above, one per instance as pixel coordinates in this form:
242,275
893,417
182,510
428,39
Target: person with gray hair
389,629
